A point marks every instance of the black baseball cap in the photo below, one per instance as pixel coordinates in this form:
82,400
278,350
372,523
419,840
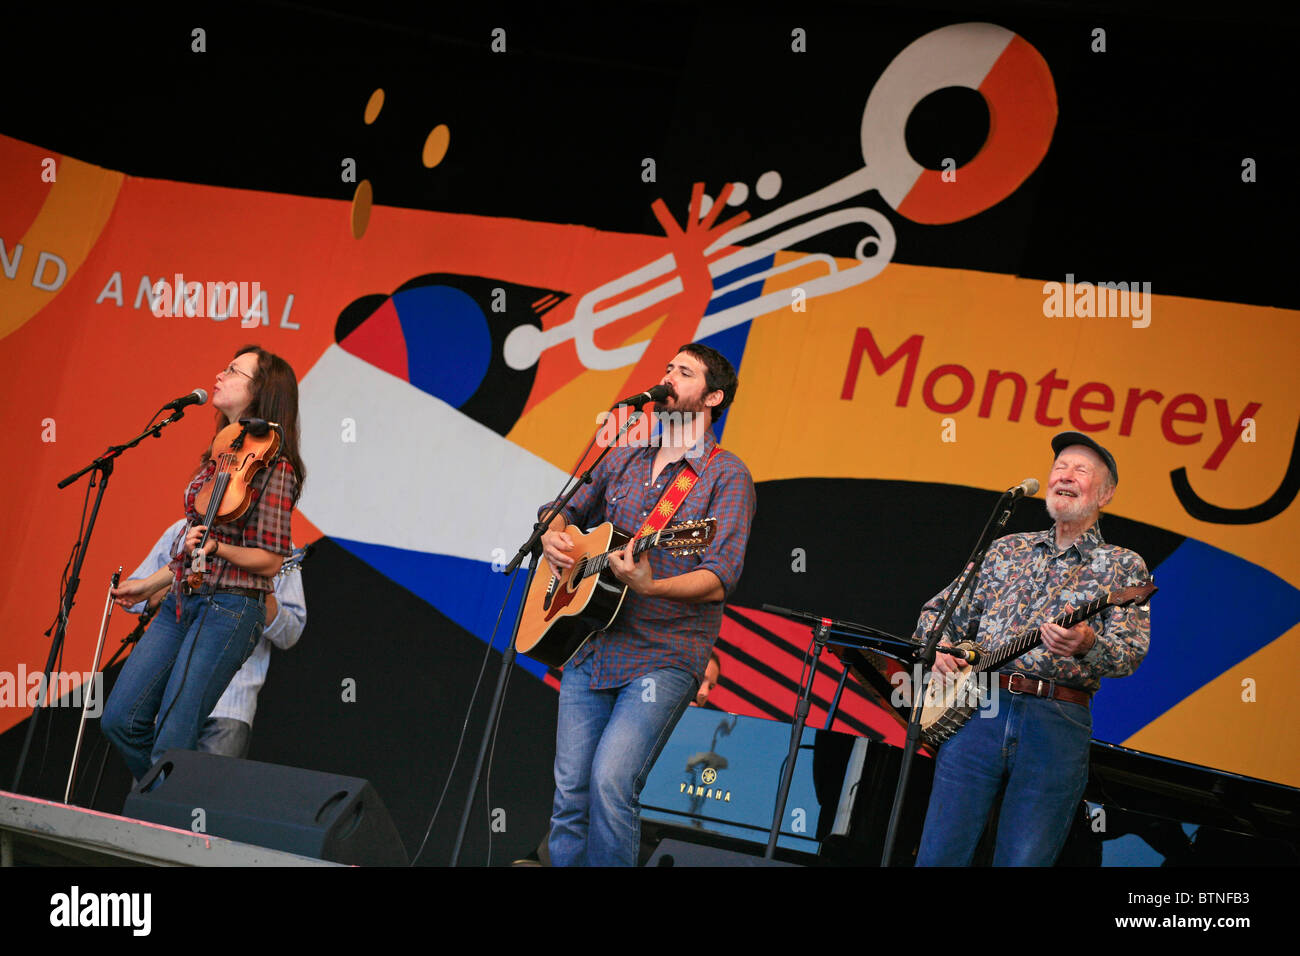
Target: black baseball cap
1066,439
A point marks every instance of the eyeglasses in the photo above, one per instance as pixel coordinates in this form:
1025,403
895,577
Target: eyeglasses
231,369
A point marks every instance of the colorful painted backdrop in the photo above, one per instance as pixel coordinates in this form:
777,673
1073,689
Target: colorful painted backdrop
904,354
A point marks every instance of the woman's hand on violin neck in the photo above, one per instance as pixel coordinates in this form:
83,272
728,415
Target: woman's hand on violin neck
195,536
257,560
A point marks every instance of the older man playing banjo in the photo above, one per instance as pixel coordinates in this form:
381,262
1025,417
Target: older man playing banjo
1033,747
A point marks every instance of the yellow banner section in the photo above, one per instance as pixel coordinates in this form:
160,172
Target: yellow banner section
957,377
1241,721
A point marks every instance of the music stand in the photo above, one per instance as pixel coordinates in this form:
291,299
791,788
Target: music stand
860,636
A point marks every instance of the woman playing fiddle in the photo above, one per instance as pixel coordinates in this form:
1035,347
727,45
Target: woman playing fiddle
206,626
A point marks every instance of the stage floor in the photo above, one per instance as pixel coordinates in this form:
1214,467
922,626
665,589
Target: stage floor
37,832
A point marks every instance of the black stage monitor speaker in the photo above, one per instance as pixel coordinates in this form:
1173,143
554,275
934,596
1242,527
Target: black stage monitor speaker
679,853
320,815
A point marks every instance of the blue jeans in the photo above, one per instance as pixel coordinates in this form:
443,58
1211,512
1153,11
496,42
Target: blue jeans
177,673
1036,747
606,741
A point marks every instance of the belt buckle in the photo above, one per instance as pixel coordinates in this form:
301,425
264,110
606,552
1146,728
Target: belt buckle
1038,681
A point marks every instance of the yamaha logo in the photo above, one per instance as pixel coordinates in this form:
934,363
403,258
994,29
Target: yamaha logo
705,788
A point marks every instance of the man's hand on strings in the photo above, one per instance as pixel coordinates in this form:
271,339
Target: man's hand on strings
555,548
1076,641
634,572
946,664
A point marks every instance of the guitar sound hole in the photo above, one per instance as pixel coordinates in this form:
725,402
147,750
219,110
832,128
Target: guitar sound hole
575,577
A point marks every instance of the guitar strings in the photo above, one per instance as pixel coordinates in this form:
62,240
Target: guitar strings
601,561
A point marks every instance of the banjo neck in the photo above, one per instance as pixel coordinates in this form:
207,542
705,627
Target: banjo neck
1138,594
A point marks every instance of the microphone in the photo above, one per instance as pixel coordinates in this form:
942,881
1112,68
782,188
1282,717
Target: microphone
656,394
1026,488
196,397
257,427
965,652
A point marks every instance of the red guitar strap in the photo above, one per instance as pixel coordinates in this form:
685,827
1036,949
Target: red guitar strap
673,497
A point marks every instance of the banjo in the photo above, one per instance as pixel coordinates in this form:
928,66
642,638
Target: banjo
950,701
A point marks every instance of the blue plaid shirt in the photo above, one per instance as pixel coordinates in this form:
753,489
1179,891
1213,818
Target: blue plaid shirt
652,633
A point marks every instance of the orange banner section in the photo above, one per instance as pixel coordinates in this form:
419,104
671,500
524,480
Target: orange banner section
53,246
90,361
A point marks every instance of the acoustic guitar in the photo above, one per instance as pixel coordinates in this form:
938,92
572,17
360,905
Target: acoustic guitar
562,612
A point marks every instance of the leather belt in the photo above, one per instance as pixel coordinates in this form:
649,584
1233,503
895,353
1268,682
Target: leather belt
254,593
1018,683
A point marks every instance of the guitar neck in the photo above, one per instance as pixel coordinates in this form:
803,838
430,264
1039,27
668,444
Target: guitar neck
1027,641
601,561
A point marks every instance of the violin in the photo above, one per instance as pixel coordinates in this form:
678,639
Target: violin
241,450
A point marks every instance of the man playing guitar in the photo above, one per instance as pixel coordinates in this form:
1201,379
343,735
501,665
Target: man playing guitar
1033,748
624,690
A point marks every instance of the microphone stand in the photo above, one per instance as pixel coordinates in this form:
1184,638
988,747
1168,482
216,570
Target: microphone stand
822,628
103,465
530,548
821,631
993,527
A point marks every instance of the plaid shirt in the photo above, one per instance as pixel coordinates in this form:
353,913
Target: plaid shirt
652,633
265,525
1026,580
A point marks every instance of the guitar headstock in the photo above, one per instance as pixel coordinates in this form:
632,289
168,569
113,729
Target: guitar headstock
1137,595
689,537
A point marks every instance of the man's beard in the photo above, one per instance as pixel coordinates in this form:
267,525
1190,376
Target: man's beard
683,413
1062,509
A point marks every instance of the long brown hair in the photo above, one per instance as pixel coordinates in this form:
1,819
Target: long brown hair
275,399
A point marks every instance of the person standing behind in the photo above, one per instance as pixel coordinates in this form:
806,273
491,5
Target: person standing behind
712,674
